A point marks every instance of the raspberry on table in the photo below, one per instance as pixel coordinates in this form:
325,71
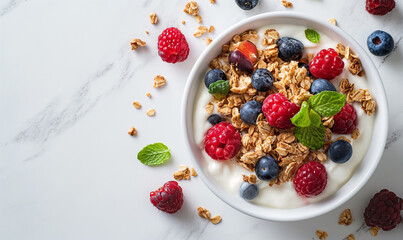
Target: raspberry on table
168,198
311,179
383,210
278,110
326,64
346,120
379,7
172,46
222,141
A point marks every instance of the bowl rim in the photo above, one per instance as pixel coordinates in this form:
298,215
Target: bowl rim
381,117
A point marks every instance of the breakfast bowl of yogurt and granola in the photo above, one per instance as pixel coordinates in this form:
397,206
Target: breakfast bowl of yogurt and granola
285,116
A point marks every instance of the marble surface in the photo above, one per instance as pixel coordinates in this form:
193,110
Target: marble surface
68,168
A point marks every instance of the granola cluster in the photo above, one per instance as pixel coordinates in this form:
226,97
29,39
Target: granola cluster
261,139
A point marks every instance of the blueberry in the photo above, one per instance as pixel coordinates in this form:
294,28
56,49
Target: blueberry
289,49
306,66
214,119
266,168
340,151
247,4
262,79
248,191
380,43
320,85
213,76
250,111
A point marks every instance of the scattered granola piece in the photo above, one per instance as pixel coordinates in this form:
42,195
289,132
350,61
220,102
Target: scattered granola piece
216,219
204,213
198,18
344,138
183,22
346,86
332,21
183,173
209,108
211,29
374,231
286,4
245,178
355,134
135,43
159,81
191,8
252,179
345,217
148,95
132,131
137,104
151,112
153,18
208,41
321,156
200,31
351,237
147,32
212,1
193,172
321,234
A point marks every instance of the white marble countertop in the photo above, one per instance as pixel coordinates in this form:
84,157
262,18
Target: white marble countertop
68,168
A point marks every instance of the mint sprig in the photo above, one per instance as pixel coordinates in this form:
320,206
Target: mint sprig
311,136
312,35
219,89
302,119
154,154
327,103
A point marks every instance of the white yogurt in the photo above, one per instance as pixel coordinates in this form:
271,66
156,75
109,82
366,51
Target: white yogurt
228,174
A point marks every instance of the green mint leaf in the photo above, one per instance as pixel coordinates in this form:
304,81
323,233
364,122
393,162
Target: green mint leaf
219,89
312,136
312,35
154,154
327,103
301,119
315,118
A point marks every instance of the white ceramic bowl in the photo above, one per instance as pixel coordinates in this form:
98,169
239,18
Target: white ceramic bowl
362,173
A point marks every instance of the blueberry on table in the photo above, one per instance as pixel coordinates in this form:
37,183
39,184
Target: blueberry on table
380,43
320,85
214,119
306,66
247,4
213,76
262,79
289,49
248,191
267,168
250,111
340,151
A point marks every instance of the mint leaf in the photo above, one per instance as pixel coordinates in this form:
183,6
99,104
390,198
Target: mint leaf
312,136
154,154
219,89
315,118
327,103
301,119
312,35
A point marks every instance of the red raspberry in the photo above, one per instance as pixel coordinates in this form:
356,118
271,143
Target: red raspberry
278,110
383,210
172,46
346,120
222,141
380,7
168,198
326,64
311,179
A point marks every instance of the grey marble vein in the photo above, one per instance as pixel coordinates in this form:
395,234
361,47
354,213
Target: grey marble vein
394,137
12,4
394,50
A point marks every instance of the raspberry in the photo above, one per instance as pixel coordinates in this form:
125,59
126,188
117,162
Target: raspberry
380,7
222,141
278,110
345,121
383,210
168,198
311,179
326,64
172,46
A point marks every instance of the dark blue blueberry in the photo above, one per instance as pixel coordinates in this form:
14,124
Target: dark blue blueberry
306,66
320,85
250,111
213,76
248,191
214,119
247,4
380,43
267,168
340,151
262,79
289,49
